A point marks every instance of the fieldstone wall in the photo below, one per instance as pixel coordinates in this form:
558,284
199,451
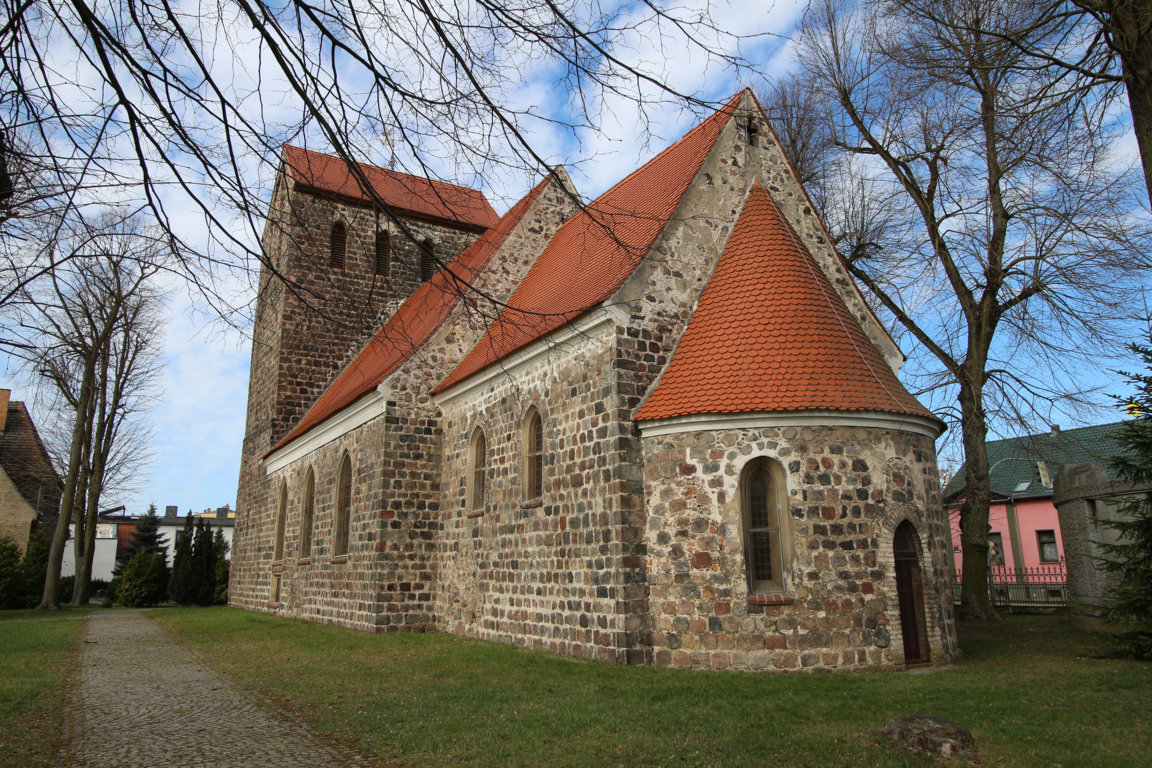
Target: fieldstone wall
561,573
249,579
345,589
847,490
1086,500
387,579
310,321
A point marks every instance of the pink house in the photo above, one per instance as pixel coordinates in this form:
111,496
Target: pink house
1025,533
1025,530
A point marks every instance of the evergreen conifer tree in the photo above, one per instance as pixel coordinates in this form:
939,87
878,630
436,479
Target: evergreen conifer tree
203,564
145,579
180,587
147,537
223,567
1131,555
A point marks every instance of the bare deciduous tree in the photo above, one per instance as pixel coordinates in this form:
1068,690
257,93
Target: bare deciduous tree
92,337
174,108
975,198
1106,44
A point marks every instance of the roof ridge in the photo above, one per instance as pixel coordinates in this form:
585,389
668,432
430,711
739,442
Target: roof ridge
422,196
728,108
382,169
605,253
1058,433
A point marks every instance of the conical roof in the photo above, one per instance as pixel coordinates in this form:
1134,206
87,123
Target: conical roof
770,333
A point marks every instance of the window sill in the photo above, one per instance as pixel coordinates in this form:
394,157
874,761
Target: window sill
339,559
532,503
475,513
774,598
304,561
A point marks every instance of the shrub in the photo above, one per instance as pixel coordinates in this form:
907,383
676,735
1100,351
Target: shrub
144,581
11,585
64,588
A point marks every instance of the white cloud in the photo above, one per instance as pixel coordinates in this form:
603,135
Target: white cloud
199,425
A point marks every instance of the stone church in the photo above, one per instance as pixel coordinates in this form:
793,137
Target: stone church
662,427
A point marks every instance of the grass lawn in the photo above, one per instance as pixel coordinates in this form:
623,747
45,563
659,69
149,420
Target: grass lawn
1033,691
35,649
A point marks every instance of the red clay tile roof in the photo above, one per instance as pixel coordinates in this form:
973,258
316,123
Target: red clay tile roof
596,250
413,323
399,190
770,333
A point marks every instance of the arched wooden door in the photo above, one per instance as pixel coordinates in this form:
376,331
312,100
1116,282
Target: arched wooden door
910,593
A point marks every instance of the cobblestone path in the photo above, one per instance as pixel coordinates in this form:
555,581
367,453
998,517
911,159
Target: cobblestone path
141,700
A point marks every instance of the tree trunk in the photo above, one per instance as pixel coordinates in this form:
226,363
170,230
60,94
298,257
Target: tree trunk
974,599
1133,20
94,480
92,506
80,522
82,589
48,599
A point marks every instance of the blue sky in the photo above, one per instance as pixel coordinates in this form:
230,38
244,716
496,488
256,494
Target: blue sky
199,423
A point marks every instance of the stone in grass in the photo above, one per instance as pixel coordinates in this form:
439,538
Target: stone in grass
934,735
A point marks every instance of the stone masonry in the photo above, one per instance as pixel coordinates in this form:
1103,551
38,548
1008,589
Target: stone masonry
311,319
842,514
633,552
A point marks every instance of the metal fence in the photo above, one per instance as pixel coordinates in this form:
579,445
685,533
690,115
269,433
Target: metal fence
1043,586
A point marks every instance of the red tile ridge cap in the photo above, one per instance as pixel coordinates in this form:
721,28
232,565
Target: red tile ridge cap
590,256
413,322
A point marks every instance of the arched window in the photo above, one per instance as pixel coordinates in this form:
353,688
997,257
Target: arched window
478,451
533,455
306,514
338,243
427,259
281,515
766,545
341,535
383,252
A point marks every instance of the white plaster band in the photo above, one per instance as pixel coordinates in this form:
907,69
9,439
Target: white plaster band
357,414
721,421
